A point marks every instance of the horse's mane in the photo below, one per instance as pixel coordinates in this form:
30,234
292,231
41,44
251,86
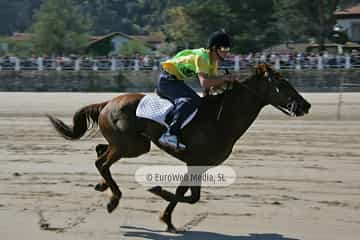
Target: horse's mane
236,85
213,98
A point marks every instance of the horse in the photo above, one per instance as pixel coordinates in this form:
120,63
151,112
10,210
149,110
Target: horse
209,138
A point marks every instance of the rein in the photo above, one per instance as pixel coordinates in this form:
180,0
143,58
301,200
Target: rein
223,100
289,110
290,106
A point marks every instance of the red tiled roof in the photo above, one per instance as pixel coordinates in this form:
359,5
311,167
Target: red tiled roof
354,10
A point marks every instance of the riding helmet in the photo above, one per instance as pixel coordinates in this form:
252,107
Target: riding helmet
219,39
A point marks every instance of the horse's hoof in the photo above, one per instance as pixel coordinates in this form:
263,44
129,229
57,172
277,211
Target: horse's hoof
101,187
170,227
155,190
114,202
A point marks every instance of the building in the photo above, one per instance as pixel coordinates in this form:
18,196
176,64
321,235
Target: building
109,44
349,20
112,43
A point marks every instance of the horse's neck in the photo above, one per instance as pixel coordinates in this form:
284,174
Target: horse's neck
239,111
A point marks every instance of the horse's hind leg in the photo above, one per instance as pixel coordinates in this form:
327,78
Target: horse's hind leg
103,164
100,150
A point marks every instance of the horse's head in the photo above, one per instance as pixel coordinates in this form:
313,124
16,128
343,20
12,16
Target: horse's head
274,89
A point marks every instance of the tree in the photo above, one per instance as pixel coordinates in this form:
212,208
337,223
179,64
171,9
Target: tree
319,16
250,22
15,15
347,3
59,28
133,47
181,29
304,19
253,25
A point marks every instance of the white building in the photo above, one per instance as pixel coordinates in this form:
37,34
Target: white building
349,20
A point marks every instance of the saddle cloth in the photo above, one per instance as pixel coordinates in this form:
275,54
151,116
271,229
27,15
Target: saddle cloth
155,108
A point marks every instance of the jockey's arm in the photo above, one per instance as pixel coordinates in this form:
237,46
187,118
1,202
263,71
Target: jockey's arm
215,81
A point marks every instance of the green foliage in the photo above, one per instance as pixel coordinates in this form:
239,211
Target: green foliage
100,48
253,25
17,48
304,19
59,28
339,37
21,49
133,47
181,27
249,22
16,15
131,17
167,48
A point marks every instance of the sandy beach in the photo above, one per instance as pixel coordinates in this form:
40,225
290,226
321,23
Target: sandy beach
297,178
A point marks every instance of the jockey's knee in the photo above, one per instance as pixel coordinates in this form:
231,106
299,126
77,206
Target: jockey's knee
189,103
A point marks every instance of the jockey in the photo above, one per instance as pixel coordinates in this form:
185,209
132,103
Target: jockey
186,64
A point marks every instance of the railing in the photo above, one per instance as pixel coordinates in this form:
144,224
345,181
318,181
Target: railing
115,64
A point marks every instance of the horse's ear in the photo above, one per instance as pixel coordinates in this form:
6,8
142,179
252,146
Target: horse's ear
269,68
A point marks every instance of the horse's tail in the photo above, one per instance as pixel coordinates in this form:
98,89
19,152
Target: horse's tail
81,121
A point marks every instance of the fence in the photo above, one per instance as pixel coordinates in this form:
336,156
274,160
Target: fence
237,63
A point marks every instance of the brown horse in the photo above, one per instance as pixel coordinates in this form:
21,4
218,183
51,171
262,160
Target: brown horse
209,137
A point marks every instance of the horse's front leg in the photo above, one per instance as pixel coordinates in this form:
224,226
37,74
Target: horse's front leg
166,215
175,198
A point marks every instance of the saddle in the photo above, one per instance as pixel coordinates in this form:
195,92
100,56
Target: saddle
158,108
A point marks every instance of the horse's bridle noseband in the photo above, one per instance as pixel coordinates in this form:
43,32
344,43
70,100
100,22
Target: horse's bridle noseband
290,106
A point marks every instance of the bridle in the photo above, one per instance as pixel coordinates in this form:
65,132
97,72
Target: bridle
288,110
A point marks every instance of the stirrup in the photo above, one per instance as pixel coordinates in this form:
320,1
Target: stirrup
177,146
